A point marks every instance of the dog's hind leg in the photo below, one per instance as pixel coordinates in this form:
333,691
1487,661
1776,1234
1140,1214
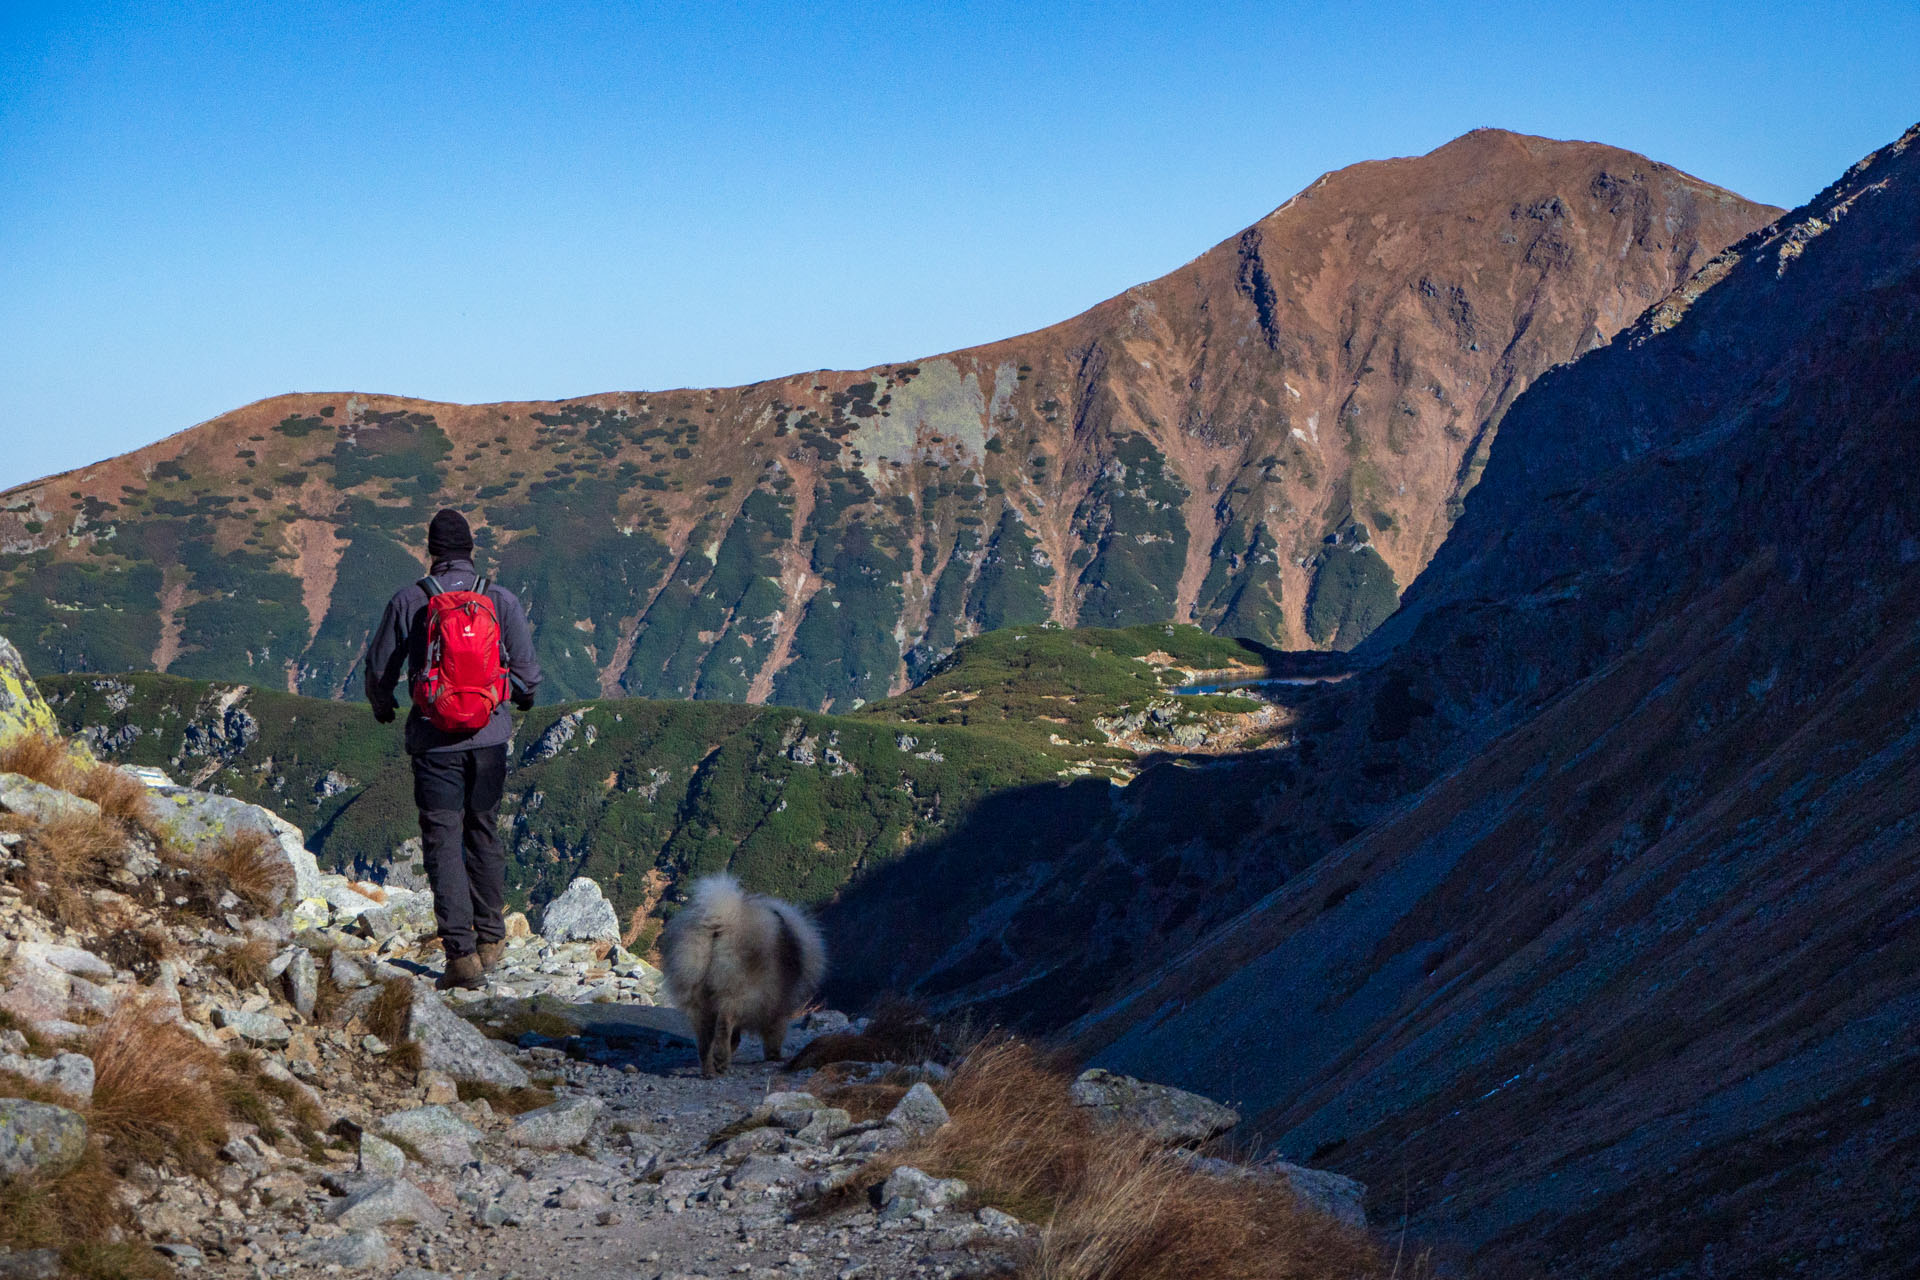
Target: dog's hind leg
773,1034
719,1054
703,1028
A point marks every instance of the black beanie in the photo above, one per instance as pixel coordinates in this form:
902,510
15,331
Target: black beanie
449,538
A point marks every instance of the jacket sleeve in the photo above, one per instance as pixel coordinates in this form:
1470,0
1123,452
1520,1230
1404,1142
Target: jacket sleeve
523,666
386,656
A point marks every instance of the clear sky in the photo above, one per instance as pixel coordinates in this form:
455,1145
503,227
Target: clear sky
201,205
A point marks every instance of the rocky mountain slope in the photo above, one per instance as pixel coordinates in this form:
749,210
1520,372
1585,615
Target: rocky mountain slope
639,794
1270,442
1593,931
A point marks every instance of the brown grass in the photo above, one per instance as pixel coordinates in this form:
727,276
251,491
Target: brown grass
388,1017
250,1094
42,757
900,1031
157,1091
64,860
1114,1205
507,1102
59,1210
122,797
244,964
248,862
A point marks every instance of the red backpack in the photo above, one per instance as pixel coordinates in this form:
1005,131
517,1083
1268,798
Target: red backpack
466,672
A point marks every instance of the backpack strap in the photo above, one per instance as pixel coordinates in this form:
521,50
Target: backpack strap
480,586
431,585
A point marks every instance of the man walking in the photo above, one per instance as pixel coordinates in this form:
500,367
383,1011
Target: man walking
467,650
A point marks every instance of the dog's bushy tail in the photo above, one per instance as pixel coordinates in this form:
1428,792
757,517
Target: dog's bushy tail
803,984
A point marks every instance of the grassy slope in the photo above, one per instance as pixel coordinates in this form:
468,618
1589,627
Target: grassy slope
795,803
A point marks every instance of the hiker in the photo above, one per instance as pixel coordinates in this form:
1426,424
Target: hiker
467,650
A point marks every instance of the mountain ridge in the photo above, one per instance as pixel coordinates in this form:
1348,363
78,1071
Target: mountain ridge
1267,440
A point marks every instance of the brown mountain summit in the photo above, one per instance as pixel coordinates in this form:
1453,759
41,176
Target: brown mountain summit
1271,441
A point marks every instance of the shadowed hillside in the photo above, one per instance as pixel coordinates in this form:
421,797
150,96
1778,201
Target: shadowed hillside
1592,941
1270,442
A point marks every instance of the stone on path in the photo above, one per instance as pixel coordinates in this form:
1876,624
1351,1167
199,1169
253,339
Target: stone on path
581,914
1332,1193
39,1136
1174,1116
452,1046
380,1158
438,1134
911,1188
565,1123
391,1200
354,1251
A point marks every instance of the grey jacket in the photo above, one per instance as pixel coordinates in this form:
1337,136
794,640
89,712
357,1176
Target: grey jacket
399,644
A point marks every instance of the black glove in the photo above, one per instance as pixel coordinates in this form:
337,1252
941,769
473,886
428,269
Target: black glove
523,699
384,714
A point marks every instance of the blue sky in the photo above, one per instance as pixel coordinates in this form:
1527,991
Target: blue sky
202,205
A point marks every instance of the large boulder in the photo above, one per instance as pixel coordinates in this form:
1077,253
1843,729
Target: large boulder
22,710
581,914
453,1046
190,818
42,803
437,1133
1174,1116
386,1201
39,1136
71,1073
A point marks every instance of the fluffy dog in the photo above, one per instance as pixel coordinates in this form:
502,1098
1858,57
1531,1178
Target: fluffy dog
737,962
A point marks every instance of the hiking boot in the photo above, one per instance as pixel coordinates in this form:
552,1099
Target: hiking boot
462,971
490,953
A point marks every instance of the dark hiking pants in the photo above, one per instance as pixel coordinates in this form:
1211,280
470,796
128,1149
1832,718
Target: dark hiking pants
458,793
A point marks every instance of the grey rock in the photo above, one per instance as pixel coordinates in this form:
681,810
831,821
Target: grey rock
36,800
453,1046
70,1072
885,1138
192,817
354,1251
388,1201
923,1189
565,1123
77,961
1174,1116
439,1134
416,1273
39,1135
254,1028
919,1112
1333,1194
584,1195
997,1221
380,1158
31,1264
758,1141
347,973
826,1124
759,1172
303,981
581,914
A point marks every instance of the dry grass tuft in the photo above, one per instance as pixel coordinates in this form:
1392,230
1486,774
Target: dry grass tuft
64,860
43,758
1114,1205
391,1010
244,964
507,1102
63,1209
900,1031
157,1091
122,797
